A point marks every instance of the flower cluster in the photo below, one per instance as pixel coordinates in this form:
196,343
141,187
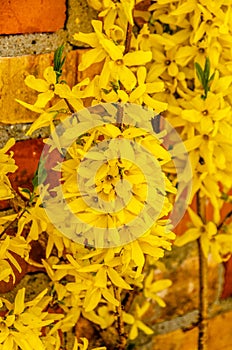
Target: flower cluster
174,58
192,58
7,165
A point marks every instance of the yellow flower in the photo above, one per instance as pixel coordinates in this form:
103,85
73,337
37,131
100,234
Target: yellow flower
15,245
136,322
7,165
102,46
172,13
111,10
163,62
198,52
45,86
152,288
207,22
73,96
210,240
85,345
47,117
208,113
142,93
118,70
21,326
119,190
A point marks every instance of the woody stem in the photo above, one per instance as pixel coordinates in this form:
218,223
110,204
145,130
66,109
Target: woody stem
119,120
203,285
128,38
122,337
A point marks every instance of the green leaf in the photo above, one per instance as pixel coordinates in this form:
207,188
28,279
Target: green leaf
26,190
206,71
40,174
212,77
59,62
204,77
199,72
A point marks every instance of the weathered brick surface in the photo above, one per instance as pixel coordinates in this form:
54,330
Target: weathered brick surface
26,155
12,74
183,296
220,336
227,288
31,16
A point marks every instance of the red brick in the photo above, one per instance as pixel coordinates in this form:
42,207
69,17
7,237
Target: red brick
26,155
227,288
31,16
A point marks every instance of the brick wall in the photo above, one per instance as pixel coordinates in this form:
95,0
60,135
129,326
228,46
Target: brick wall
30,32
31,16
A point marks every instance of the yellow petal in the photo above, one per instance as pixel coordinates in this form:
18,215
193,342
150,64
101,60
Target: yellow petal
196,220
19,302
190,235
101,278
112,50
116,279
39,85
30,107
90,57
137,93
126,77
144,328
92,299
160,285
137,254
154,87
109,297
141,75
43,120
44,98
137,58
87,38
8,145
128,318
211,228
158,106
50,75
133,332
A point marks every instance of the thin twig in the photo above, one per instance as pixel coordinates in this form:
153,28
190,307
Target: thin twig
129,298
203,300
128,38
119,120
122,337
12,222
203,286
228,215
72,110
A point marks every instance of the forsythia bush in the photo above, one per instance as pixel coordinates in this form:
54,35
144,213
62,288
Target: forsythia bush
173,58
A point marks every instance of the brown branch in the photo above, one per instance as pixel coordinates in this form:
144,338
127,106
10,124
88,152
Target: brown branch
122,337
203,285
13,222
203,299
119,120
129,298
228,215
128,38
72,110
